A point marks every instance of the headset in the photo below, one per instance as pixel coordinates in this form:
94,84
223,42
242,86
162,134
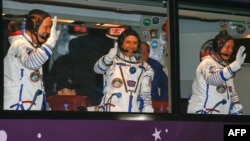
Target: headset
126,33
34,21
219,41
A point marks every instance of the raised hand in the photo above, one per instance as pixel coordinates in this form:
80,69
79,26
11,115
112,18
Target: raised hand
112,53
53,33
240,58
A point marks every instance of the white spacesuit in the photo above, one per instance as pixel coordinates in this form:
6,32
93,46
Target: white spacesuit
127,82
213,91
23,84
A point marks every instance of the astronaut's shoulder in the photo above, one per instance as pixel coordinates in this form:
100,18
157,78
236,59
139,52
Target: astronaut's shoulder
208,60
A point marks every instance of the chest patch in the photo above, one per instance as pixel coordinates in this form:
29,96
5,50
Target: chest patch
221,89
131,83
117,82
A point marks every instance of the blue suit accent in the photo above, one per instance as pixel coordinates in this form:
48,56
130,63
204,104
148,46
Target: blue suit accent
160,81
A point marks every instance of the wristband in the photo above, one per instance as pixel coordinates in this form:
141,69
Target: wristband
230,70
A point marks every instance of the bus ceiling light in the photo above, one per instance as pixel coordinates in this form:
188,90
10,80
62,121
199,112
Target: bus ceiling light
107,25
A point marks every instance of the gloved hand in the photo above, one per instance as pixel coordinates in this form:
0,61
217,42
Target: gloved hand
112,53
235,98
53,34
237,109
240,58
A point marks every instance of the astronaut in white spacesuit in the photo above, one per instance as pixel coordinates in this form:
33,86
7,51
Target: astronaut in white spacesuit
127,79
23,84
213,91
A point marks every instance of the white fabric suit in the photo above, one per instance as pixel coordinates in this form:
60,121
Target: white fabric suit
23,84
127,85
212,92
